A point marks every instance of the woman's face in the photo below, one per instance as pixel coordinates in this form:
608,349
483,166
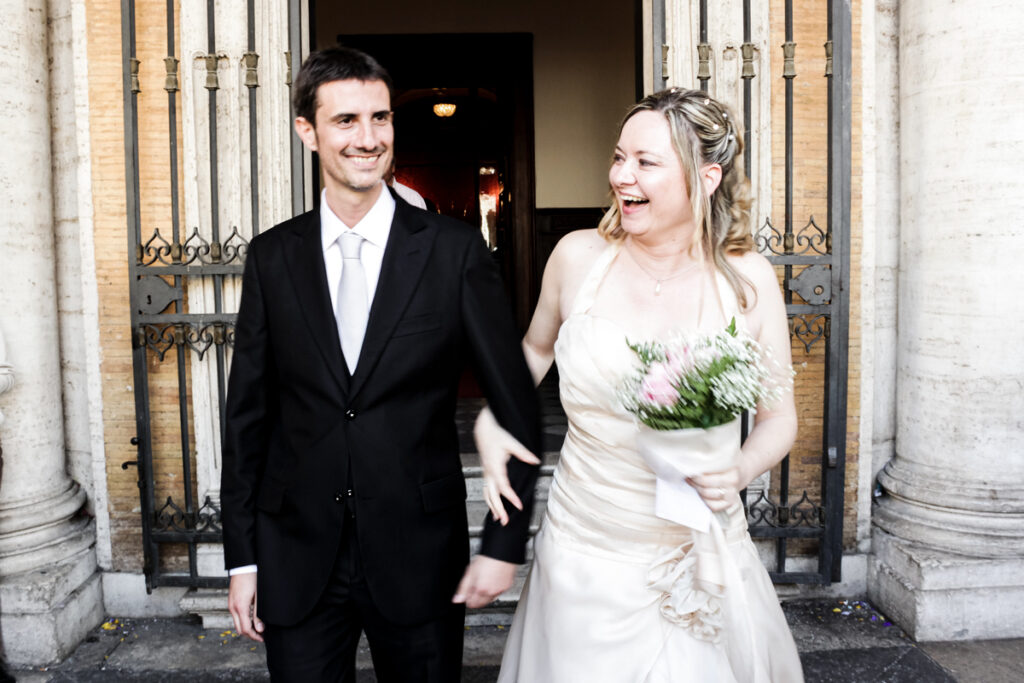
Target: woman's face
647,178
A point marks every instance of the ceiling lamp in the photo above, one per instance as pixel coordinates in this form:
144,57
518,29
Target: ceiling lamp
444,109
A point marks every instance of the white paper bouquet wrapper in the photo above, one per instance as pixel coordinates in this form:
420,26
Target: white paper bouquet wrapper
674,455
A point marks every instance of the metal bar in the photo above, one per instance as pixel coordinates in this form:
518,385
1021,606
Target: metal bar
188,536
657,43
254,181
796,577
703,43
762,531
840,108
780,545
786,259
143,436
194,271
295,50
211,49
195,319
747,151
172,115
187,581
183,416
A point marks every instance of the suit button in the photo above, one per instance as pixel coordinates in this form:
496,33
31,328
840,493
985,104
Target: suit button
350,414
339,498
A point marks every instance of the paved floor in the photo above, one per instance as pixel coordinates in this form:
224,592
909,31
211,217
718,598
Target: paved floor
839,642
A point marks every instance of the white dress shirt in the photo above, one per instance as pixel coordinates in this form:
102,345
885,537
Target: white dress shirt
374,228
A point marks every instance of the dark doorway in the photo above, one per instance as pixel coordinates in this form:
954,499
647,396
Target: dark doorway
476,163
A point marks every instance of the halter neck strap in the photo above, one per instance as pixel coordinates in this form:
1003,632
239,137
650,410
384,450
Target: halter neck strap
591,283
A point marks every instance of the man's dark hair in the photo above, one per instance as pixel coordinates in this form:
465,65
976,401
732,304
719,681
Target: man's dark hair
333,64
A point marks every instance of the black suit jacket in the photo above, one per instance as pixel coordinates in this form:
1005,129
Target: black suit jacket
300,432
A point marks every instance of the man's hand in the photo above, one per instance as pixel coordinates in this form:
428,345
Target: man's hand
485,579
242,605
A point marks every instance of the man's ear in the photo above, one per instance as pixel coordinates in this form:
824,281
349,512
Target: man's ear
306,132
711,176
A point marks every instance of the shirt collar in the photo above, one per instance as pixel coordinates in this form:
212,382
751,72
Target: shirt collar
374,227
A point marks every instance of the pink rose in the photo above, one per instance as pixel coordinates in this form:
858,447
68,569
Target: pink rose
679,362
658,386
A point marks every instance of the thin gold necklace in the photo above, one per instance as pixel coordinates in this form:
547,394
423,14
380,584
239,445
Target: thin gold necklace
659,280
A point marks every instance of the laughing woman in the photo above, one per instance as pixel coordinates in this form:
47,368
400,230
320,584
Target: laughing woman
616,593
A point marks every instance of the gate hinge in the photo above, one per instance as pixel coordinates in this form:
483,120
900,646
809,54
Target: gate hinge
833,456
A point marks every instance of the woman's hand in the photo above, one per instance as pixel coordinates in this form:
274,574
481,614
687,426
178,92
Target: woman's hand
720,490
496,446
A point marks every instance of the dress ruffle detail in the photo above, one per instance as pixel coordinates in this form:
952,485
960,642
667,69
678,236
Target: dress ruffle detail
687,600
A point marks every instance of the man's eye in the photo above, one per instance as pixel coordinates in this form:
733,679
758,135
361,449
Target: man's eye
345,122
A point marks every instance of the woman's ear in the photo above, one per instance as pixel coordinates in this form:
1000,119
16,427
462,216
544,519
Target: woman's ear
711,176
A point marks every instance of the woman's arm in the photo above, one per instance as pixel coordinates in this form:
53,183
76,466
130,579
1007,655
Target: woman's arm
494,444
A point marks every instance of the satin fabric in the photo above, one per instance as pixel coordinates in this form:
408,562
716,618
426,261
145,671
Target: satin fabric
605,567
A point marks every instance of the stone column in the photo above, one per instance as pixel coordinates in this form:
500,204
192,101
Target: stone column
49,589
949,538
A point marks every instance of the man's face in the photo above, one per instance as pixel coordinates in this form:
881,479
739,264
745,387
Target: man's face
353,134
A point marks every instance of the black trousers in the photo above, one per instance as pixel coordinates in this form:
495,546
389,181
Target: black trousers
322,647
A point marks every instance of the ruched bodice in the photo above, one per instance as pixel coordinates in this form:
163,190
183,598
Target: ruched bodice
602,496
592,609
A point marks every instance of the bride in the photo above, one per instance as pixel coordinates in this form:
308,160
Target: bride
615,593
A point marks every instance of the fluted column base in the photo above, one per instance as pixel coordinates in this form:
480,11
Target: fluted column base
46,612
936,595
930,507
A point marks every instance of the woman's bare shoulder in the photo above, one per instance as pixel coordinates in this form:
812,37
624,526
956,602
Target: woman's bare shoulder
577,249
754,268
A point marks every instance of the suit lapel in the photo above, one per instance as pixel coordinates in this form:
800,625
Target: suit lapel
405,256
305,258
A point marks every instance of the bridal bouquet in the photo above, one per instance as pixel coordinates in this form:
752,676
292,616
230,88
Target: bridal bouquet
687,395
698,380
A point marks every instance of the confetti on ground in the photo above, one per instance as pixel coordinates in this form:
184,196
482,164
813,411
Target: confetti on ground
109,625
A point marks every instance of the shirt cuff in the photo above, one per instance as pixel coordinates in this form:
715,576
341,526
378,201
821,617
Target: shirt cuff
246,569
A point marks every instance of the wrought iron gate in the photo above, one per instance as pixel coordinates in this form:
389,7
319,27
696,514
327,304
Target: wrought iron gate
813,264
169,342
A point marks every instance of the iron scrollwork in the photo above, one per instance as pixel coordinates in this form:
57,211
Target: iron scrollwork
811,239
171,517
159,338
763,511
809,328
196,250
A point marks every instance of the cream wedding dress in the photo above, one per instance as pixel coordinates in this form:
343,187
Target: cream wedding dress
612,596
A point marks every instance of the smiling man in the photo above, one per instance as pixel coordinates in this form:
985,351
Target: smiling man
342,493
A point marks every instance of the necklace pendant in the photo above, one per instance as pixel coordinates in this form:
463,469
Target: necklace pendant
657,288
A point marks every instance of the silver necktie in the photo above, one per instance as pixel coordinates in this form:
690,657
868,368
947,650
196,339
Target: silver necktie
352,310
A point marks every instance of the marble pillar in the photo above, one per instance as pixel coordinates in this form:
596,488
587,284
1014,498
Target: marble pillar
50,592
949,528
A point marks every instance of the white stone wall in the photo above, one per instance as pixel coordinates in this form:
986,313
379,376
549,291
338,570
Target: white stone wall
880,209
949,544
77,297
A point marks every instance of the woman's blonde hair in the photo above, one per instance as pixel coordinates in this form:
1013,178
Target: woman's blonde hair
703,131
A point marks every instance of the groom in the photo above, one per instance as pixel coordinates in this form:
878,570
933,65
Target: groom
343,496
